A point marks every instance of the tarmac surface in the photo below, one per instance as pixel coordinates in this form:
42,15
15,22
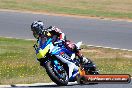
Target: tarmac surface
107,33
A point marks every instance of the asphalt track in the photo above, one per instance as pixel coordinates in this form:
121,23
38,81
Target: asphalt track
70,85
116,34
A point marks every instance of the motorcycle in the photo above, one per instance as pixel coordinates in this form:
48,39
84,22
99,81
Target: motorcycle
56,59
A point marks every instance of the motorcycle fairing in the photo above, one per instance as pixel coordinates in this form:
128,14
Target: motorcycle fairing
43,49
42,52
61,53
71,65
57,51
43,45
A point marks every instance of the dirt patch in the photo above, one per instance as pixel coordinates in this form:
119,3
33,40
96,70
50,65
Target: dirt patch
127,56
90,51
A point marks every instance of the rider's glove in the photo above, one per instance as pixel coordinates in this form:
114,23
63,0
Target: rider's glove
57,42
35,46
60,42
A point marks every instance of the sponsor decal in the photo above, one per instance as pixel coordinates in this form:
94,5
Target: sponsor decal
64,55
106,78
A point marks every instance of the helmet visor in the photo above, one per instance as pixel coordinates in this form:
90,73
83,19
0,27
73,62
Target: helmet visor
35,34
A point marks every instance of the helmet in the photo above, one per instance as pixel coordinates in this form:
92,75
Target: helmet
37,28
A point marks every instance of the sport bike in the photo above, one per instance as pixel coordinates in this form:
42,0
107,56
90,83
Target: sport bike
56,59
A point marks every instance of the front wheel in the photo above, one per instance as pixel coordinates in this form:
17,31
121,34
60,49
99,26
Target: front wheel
60,77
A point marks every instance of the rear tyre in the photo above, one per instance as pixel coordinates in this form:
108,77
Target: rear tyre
91,70
54,76
81,80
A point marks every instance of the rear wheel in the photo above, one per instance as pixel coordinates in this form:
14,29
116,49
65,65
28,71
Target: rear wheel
60,76
91,68
81,80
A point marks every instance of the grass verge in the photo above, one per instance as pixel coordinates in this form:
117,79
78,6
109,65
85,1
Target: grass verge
18,64
94,8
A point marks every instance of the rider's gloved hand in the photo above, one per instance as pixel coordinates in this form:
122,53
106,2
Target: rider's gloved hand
35,46
57,42
60,42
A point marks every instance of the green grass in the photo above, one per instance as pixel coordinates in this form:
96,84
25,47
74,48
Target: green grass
93,8
110,61
18,62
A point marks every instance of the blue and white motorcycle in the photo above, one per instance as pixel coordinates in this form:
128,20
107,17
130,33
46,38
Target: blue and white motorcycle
58,62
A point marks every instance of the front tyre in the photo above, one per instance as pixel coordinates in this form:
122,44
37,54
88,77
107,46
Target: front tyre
54,75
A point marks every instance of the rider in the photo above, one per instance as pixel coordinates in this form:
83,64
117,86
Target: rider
37,27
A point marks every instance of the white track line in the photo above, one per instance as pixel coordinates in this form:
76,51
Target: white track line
83,44
3,86
33,85
109,48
